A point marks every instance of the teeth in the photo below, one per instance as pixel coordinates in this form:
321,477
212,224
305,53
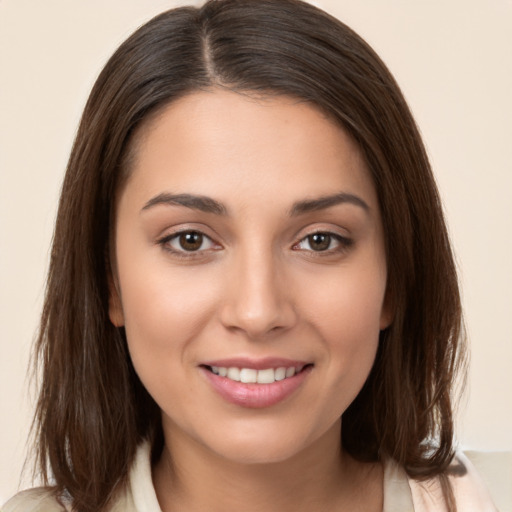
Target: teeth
252,376
248,375
233,374
266,376
280,373
290,372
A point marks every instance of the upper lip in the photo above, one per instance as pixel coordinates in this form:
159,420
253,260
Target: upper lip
256,364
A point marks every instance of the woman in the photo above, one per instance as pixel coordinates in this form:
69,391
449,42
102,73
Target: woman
252,300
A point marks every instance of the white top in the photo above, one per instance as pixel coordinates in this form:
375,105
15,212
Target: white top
401,494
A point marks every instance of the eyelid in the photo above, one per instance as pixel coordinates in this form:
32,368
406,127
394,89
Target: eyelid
322,227
205,239
343,242
164,242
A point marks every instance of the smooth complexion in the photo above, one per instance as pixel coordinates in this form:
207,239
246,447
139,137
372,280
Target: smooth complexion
248,235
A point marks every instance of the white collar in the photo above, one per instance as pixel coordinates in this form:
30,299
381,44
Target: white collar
397,492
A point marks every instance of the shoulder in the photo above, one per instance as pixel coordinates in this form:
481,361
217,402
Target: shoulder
40,499
482,488
138,495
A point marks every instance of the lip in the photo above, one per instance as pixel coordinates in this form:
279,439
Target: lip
256,396
256,364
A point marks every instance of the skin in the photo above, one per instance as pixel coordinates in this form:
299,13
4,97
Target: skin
255,288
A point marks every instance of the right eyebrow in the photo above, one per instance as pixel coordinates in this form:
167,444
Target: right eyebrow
195,202
324,202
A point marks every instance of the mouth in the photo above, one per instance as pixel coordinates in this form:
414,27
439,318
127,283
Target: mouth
256,384
257,376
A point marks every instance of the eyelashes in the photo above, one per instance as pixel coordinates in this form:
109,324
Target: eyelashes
323,241
191,244
188,243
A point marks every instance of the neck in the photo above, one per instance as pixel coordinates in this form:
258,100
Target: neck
320,477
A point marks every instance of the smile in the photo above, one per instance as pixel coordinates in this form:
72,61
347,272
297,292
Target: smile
256,384
253,376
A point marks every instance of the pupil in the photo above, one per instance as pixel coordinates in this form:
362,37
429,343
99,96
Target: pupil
319,241
191,241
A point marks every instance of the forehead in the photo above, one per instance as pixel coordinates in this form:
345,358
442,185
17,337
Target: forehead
247,144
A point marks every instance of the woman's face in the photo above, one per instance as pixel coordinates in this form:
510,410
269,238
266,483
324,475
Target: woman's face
249,247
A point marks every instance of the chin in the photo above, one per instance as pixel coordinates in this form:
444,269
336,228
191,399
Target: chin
254,452
258,443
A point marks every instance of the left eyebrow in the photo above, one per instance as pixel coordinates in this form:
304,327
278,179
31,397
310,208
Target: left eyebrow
321,203
194,202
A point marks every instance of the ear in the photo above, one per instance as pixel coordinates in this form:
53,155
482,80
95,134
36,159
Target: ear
115,307
387,313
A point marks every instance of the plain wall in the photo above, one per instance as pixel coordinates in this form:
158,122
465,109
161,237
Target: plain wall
452,60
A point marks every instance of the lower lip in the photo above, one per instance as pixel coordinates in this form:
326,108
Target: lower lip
256,395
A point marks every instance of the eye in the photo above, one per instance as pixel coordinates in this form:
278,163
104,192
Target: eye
187,241
318,241
323,242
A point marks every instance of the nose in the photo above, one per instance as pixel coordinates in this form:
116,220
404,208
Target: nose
259,299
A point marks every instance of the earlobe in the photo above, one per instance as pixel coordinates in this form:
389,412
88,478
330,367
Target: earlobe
115,308
386,319
387,313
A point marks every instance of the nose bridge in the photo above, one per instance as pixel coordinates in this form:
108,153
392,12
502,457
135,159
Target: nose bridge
258,302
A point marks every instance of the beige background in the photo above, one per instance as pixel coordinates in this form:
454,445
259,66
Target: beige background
452,59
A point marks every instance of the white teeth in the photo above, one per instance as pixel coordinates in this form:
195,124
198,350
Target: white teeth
233,374
248,375
252,376
280,373
266,376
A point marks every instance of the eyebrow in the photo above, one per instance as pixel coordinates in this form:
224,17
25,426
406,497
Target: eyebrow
209,205
322,203
201,203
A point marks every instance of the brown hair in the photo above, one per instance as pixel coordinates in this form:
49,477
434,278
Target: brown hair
93,411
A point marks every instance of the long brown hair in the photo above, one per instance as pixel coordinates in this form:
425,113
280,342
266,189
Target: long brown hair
93,411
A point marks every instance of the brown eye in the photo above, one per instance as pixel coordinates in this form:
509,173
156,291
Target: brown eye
319,241
324,242
188,243
190,240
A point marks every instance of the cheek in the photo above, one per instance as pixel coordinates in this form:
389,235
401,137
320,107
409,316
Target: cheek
163,316
346,312
164,308
165,304
347,306
351,332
